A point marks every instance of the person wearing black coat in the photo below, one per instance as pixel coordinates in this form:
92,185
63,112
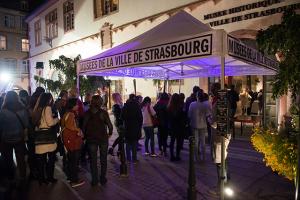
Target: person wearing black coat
133,120
162,115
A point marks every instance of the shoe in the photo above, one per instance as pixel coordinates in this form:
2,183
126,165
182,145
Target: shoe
172,159
103,181
146,153
52,180
178,159
94,183
153,155
136,161
43,182
76,184
111,151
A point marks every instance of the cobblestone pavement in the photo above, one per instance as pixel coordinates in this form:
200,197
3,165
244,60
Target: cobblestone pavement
158,178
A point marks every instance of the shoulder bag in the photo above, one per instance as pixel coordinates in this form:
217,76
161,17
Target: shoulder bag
44,135
154,119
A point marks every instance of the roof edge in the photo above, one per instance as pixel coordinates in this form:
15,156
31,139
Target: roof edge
39,10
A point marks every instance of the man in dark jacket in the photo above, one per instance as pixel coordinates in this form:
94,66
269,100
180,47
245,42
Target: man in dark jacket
133,120
95,125
233,98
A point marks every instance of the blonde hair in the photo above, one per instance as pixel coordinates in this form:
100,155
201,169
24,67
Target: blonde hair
116,97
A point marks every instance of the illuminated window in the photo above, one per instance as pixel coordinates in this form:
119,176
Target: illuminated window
51,24
105,7
9,21
68,15
25,68
2,42
38,33
25,45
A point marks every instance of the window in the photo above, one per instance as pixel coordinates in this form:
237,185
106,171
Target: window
2,42
38,33
24,5
9,21
9,65
51,24
68,15
25,68
25,45
105,7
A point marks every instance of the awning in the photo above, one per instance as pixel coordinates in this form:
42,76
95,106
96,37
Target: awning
180,47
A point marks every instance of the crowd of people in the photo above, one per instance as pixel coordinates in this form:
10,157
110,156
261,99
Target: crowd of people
38,128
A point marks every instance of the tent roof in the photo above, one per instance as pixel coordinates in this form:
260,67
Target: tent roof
180,47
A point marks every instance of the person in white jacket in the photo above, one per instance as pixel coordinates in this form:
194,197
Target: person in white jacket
45,152
199,113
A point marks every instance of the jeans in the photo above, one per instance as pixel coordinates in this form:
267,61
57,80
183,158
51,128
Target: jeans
131,148
7,153
46,164
149,135
73,159
162,136
93,149
200,143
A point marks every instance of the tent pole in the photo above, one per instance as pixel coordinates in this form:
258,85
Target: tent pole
134,86
222,138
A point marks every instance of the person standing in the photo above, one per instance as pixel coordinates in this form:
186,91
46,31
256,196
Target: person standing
116,110
260,98
133,121
177,122
148,113
233,98
199,114
95,125
13,121
104,96
72,140
162,116
42,118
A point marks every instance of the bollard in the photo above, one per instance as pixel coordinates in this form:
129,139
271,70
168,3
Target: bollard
123,165
192,195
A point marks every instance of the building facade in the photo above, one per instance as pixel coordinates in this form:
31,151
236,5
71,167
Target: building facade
14,48
89,27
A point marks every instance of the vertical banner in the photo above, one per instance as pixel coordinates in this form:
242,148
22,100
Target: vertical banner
222,113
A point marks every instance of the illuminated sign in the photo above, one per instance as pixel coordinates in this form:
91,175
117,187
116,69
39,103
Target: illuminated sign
184,49
252,15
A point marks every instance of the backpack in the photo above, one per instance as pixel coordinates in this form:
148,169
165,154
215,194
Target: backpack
12,135
95,128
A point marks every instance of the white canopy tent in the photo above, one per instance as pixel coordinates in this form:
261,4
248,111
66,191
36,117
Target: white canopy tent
180,47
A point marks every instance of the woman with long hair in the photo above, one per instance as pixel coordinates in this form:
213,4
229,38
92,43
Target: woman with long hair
117,109
13,121
42,118
72,139
177,122
148,113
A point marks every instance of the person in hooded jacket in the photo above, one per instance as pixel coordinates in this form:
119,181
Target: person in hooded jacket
95,124
13,121
133,121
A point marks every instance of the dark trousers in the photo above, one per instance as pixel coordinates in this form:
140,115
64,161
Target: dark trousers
46,164
84,152
232,112
32,163
93,149
162,136
131,148
73,159
7,153
179,144
149,135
